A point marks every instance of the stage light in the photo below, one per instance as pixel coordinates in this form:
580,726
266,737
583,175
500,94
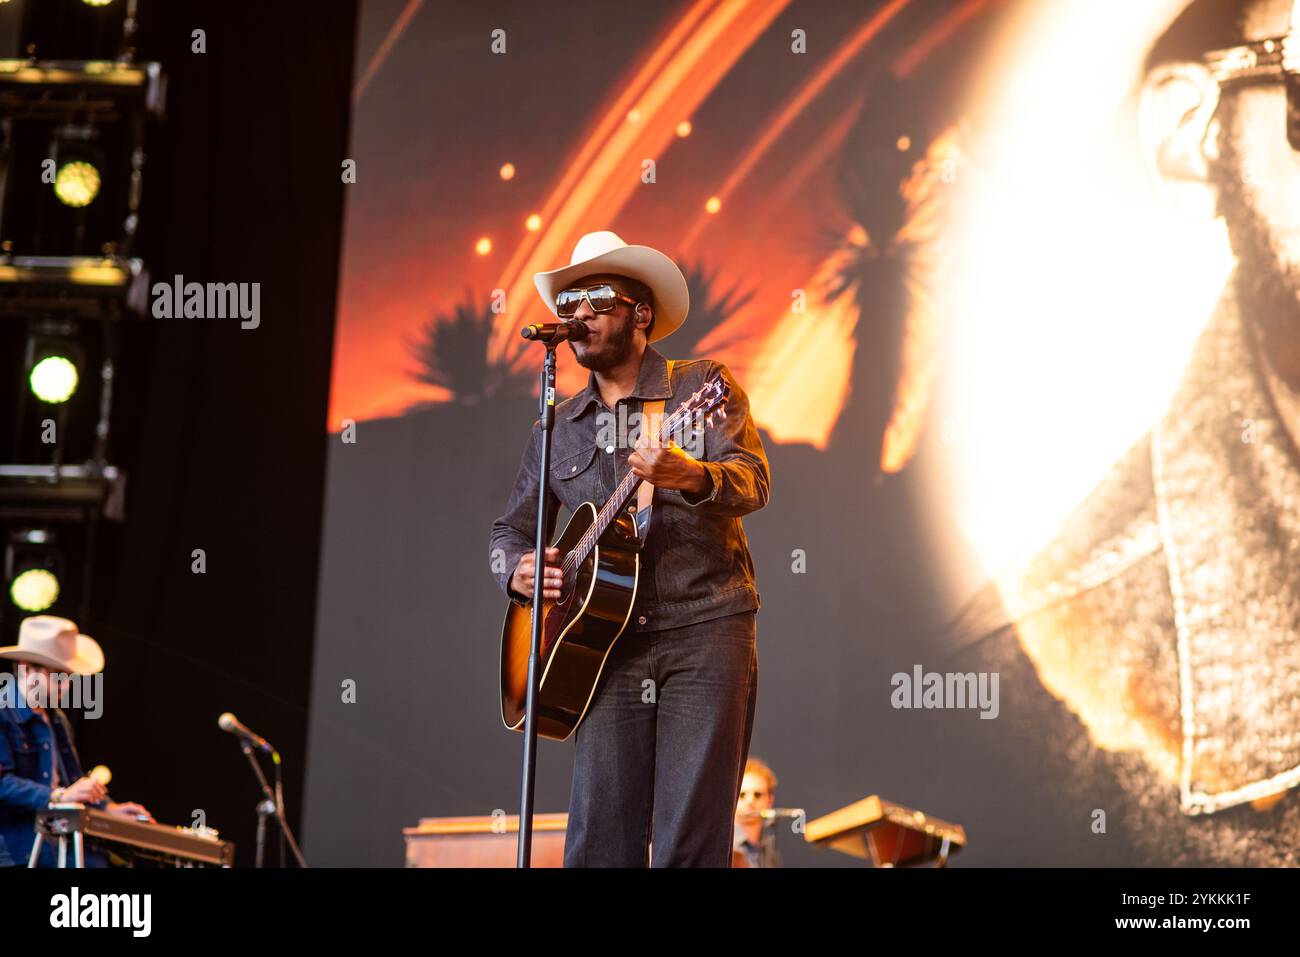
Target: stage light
96,3
507,171
713,205
483,246
54,379
35,590
633,116
33,564
684,128
533,223
77,183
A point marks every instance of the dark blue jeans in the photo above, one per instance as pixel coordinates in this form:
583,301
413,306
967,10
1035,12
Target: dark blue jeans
661,753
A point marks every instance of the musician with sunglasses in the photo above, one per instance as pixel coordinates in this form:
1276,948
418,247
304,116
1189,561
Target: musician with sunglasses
661,751
1149,663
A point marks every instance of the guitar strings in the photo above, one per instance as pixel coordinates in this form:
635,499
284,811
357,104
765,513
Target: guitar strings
606,514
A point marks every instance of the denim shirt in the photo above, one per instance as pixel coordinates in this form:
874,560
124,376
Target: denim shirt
25,766
695,565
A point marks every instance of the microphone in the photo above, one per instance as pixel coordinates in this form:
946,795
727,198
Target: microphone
570,329
771,814
228,722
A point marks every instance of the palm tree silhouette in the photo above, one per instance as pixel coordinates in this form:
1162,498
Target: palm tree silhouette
451,352
890,266
709,310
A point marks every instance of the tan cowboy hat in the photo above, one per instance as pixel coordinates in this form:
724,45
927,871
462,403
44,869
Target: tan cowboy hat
57,644
604,252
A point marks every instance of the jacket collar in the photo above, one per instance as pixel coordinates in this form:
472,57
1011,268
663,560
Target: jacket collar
651,383
1221,511
1225,498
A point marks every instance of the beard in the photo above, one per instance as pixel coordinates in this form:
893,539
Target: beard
1267,286
616,350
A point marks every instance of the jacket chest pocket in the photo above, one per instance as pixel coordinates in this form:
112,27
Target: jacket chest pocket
576,478
26,758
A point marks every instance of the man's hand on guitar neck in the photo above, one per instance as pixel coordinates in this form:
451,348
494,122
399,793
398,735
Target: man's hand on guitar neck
522,580
667,466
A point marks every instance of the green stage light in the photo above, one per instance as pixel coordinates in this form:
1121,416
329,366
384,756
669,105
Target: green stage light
77,183
54,379
35,590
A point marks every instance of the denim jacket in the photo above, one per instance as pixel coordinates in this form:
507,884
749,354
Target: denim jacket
695,565
25,765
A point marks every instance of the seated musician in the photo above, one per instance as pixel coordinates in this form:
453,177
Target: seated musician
755,839
38,762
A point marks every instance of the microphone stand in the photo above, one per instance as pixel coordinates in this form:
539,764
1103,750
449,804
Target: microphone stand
275,800
546,409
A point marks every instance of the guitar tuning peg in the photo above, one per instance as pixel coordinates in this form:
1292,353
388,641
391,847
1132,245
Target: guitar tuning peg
722,412
708,419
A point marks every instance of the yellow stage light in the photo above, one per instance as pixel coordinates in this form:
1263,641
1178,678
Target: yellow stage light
34,590
54,379
77,183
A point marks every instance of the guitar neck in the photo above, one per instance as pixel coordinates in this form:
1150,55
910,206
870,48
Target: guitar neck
627,487
712,395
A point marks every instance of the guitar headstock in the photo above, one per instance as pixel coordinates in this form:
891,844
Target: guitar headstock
704,403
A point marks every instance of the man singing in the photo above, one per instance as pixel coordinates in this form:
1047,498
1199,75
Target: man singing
661,752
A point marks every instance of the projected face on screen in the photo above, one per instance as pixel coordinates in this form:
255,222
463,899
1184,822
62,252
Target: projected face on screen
1162,619
1257,178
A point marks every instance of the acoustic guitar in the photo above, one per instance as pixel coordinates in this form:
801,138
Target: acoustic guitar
599,554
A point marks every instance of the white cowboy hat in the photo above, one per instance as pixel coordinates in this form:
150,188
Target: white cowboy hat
57,644
604,252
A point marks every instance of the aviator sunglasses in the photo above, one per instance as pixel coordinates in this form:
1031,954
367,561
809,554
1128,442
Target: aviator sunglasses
1265,61
602,297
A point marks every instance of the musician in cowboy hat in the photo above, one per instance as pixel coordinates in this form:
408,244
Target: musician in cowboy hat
662,747
39,765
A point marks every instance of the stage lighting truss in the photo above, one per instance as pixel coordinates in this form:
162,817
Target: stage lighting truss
97,85
84,286
46,569
72,160
72,157
70,493
59,373
83,29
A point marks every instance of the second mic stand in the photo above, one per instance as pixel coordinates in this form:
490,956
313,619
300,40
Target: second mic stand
271,805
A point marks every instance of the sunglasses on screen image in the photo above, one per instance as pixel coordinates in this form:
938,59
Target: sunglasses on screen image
1262,62
602,297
